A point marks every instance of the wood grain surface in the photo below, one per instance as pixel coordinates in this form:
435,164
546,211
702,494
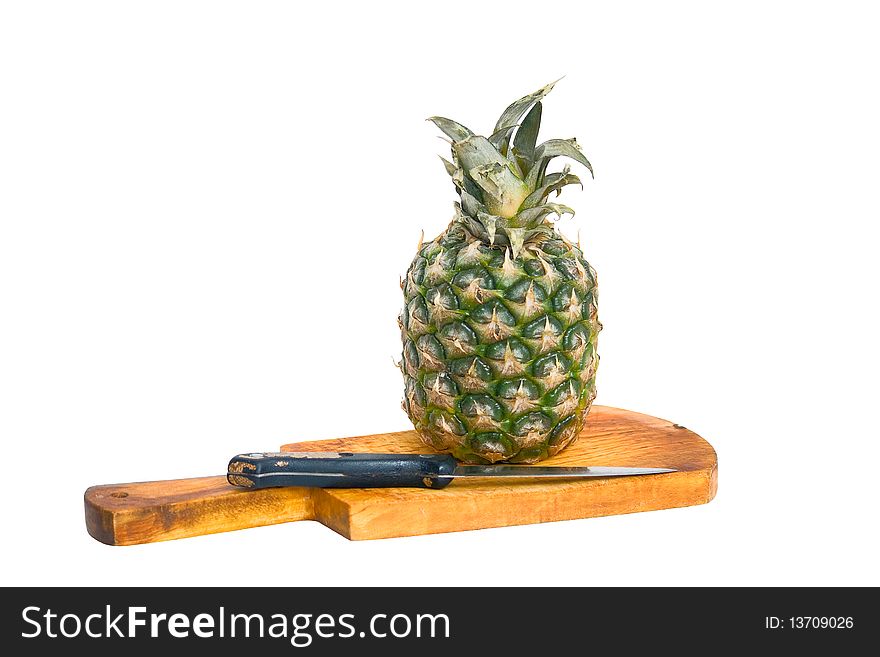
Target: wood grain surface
129,514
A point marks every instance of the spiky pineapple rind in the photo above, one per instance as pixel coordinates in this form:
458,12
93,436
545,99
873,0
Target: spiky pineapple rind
499,355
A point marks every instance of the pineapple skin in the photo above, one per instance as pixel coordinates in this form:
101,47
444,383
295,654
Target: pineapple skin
499,353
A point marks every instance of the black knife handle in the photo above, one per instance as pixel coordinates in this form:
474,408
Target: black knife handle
341,470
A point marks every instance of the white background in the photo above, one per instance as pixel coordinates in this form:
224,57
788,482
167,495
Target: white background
206,207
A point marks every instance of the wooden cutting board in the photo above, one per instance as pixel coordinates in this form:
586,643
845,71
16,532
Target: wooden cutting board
129,514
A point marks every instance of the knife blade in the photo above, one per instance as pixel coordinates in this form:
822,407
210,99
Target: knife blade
351,470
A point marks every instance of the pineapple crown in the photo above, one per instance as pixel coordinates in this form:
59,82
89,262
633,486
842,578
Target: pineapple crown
502,179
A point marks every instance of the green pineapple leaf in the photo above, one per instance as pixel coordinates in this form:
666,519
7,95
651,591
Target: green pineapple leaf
514,165
554,182
500,138
491,178
455,131
462,182
449,166
535,175
516,109
471,205
476,151
527,136
556,147
490,223
517,238
551,177
533,216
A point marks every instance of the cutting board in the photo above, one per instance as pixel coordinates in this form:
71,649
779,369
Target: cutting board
129,514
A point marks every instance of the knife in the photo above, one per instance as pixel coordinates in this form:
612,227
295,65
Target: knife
349,470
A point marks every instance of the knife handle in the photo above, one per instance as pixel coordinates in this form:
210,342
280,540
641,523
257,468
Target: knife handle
341,470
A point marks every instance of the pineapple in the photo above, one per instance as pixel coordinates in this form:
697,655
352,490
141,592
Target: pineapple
500,324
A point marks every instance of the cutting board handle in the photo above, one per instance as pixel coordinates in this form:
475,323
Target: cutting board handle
144,512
